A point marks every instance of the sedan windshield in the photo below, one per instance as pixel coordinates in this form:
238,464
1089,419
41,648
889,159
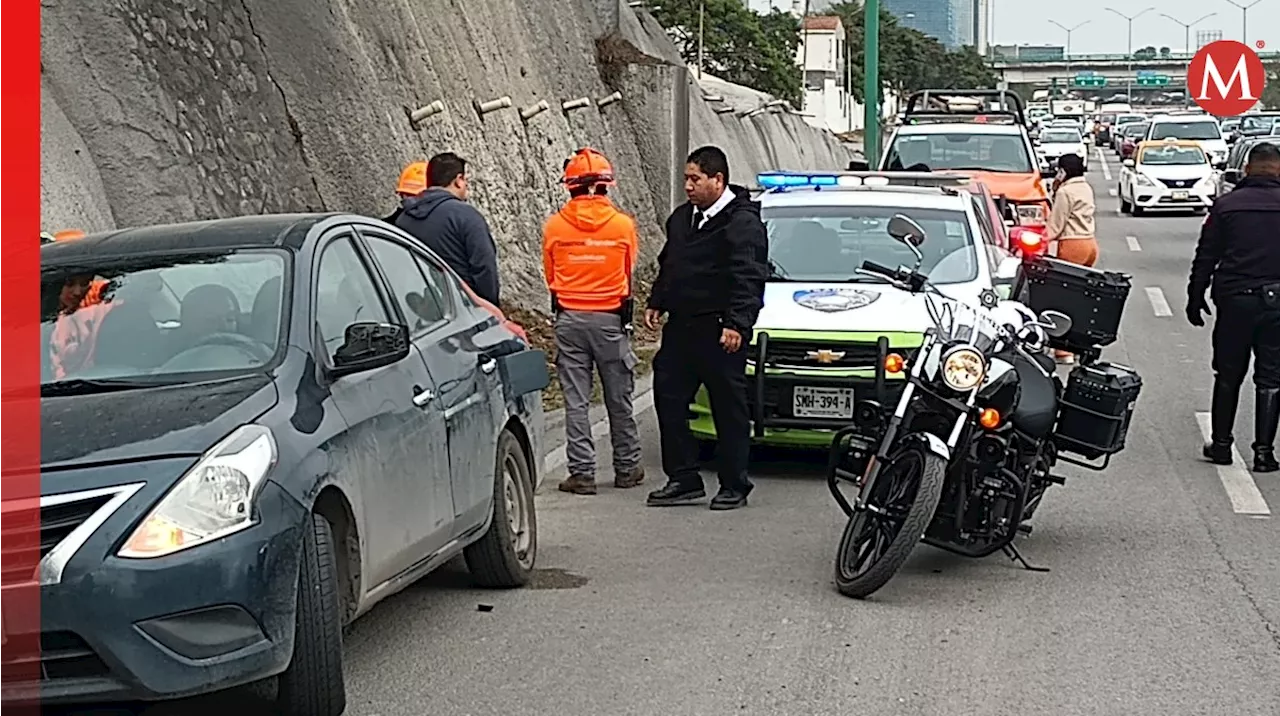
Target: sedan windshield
829,244
981,152
1257,124
1129,118
1163,156
161,319
1058,136
1202,129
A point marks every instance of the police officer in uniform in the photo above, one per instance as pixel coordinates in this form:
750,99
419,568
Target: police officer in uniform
711,278
1239,256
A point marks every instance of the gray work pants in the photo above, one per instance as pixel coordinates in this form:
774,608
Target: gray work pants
586,342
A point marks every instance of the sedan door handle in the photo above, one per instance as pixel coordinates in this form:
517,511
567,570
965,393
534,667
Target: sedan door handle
422,397
488,366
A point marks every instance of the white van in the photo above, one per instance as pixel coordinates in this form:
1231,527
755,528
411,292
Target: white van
1200,128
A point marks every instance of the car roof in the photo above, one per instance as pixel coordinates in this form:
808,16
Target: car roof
1183,118
261,231
895,197
961,128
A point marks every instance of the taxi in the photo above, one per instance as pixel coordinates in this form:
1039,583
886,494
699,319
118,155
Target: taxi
1168,175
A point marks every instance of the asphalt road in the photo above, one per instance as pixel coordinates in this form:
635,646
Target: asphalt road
1163,599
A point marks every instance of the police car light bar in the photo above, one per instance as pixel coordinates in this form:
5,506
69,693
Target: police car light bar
789,180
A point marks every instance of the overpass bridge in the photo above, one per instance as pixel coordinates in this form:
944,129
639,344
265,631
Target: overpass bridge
1117,69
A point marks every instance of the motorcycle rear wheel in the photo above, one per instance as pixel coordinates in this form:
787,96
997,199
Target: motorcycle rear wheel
877,542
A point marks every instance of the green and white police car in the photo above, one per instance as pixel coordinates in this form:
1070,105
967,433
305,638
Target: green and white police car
830,336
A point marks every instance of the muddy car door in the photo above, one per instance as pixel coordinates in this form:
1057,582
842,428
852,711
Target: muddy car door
392,455
465,377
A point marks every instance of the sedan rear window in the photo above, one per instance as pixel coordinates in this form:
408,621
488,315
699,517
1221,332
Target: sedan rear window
981,152
162,318
828,244
1058,136
1202,129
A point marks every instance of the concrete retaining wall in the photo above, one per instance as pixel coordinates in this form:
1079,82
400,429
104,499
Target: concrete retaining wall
157,111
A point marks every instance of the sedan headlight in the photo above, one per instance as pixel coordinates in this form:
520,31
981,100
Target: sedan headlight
963,368
1142,180
212,500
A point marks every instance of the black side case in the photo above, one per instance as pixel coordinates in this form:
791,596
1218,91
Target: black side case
1093,299
1096,409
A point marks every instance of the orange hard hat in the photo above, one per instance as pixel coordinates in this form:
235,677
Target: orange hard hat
68,235
413,180
587,166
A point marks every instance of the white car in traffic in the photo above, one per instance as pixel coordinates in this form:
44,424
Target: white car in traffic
1170,175
1056,142
1197,127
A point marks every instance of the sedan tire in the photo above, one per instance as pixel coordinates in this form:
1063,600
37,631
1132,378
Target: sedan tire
313,683
503,558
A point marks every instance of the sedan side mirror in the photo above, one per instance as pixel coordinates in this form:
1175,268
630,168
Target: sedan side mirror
1128,164
1007,271
1220,165
368,345
859,165
1231,176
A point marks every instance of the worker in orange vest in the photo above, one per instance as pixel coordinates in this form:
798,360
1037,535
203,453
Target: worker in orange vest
589,251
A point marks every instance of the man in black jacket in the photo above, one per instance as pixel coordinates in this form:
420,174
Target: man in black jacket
1239,253
711,278
442,219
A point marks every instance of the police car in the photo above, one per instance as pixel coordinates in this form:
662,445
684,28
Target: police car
1167,175
825,336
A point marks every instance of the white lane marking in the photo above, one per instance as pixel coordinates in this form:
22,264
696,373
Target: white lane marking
1236,480
1106,170
1158,302
1133,243
557,459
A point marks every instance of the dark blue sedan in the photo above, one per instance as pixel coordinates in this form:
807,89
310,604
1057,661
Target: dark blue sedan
253,430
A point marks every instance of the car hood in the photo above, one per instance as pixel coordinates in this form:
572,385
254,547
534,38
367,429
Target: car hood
1176,171
849,307
164,422
1016,187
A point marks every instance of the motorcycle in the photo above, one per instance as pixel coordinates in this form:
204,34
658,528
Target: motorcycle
965,457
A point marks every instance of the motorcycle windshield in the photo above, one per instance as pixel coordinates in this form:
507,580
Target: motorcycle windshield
958,322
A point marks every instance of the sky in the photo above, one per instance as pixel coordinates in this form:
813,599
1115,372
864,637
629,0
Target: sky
1026,22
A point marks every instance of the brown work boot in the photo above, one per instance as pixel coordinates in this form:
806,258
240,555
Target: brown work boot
625,480
578,485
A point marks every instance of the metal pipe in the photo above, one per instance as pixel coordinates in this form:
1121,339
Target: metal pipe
606,101
712,98
417,116
534,110
871,83
578,103
493,105
724,110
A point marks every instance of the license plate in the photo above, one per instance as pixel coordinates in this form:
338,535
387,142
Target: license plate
807,402
1181,195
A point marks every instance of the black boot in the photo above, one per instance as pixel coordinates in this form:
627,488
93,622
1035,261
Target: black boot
1225,399
1266,414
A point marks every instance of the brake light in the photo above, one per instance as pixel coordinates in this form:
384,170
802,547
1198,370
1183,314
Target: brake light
1030,243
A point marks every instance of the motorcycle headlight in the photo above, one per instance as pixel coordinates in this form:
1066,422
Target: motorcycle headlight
963,368
212,500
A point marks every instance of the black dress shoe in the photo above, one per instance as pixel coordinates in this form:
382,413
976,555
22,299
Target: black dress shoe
675,493
1217,453
730,498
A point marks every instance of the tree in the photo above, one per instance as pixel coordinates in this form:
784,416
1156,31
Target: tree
909,59
1165,52
739,45
1271,93
1146,53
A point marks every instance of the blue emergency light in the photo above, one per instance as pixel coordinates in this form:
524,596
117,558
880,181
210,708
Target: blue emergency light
778,180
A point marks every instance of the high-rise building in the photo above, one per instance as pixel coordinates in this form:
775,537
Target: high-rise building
1204,37
954,23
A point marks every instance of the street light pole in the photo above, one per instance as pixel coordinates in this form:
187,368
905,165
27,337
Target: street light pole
1069,30
871,82
1186,26
1128,80
1244,18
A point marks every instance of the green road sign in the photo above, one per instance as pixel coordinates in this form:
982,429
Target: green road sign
1153,81
1090,81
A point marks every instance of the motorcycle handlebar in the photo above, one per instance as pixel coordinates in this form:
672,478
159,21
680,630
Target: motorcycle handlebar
874,267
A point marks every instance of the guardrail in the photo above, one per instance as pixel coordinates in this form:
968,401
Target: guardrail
1101,58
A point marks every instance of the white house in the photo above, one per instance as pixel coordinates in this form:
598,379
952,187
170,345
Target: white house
823,53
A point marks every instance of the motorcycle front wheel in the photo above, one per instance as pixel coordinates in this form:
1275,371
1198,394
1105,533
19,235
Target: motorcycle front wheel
878,540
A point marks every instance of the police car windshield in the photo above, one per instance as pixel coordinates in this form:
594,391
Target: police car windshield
828,244
1058,136
161,319
1163,156
955,150
1202,129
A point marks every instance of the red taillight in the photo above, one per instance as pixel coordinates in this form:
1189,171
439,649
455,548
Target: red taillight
1031,243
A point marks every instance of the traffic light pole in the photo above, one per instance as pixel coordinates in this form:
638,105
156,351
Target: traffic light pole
871,83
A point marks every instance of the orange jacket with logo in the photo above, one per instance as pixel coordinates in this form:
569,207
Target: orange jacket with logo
589,250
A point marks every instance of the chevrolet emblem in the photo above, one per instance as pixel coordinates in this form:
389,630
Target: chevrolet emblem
825,356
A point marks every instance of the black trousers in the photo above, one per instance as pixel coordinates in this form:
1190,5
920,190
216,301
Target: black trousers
691,357
1247,325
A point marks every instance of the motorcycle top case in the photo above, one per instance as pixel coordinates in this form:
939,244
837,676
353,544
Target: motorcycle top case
1093,299
1096,408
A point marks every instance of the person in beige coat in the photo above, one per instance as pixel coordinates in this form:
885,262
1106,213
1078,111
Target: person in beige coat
1072,230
